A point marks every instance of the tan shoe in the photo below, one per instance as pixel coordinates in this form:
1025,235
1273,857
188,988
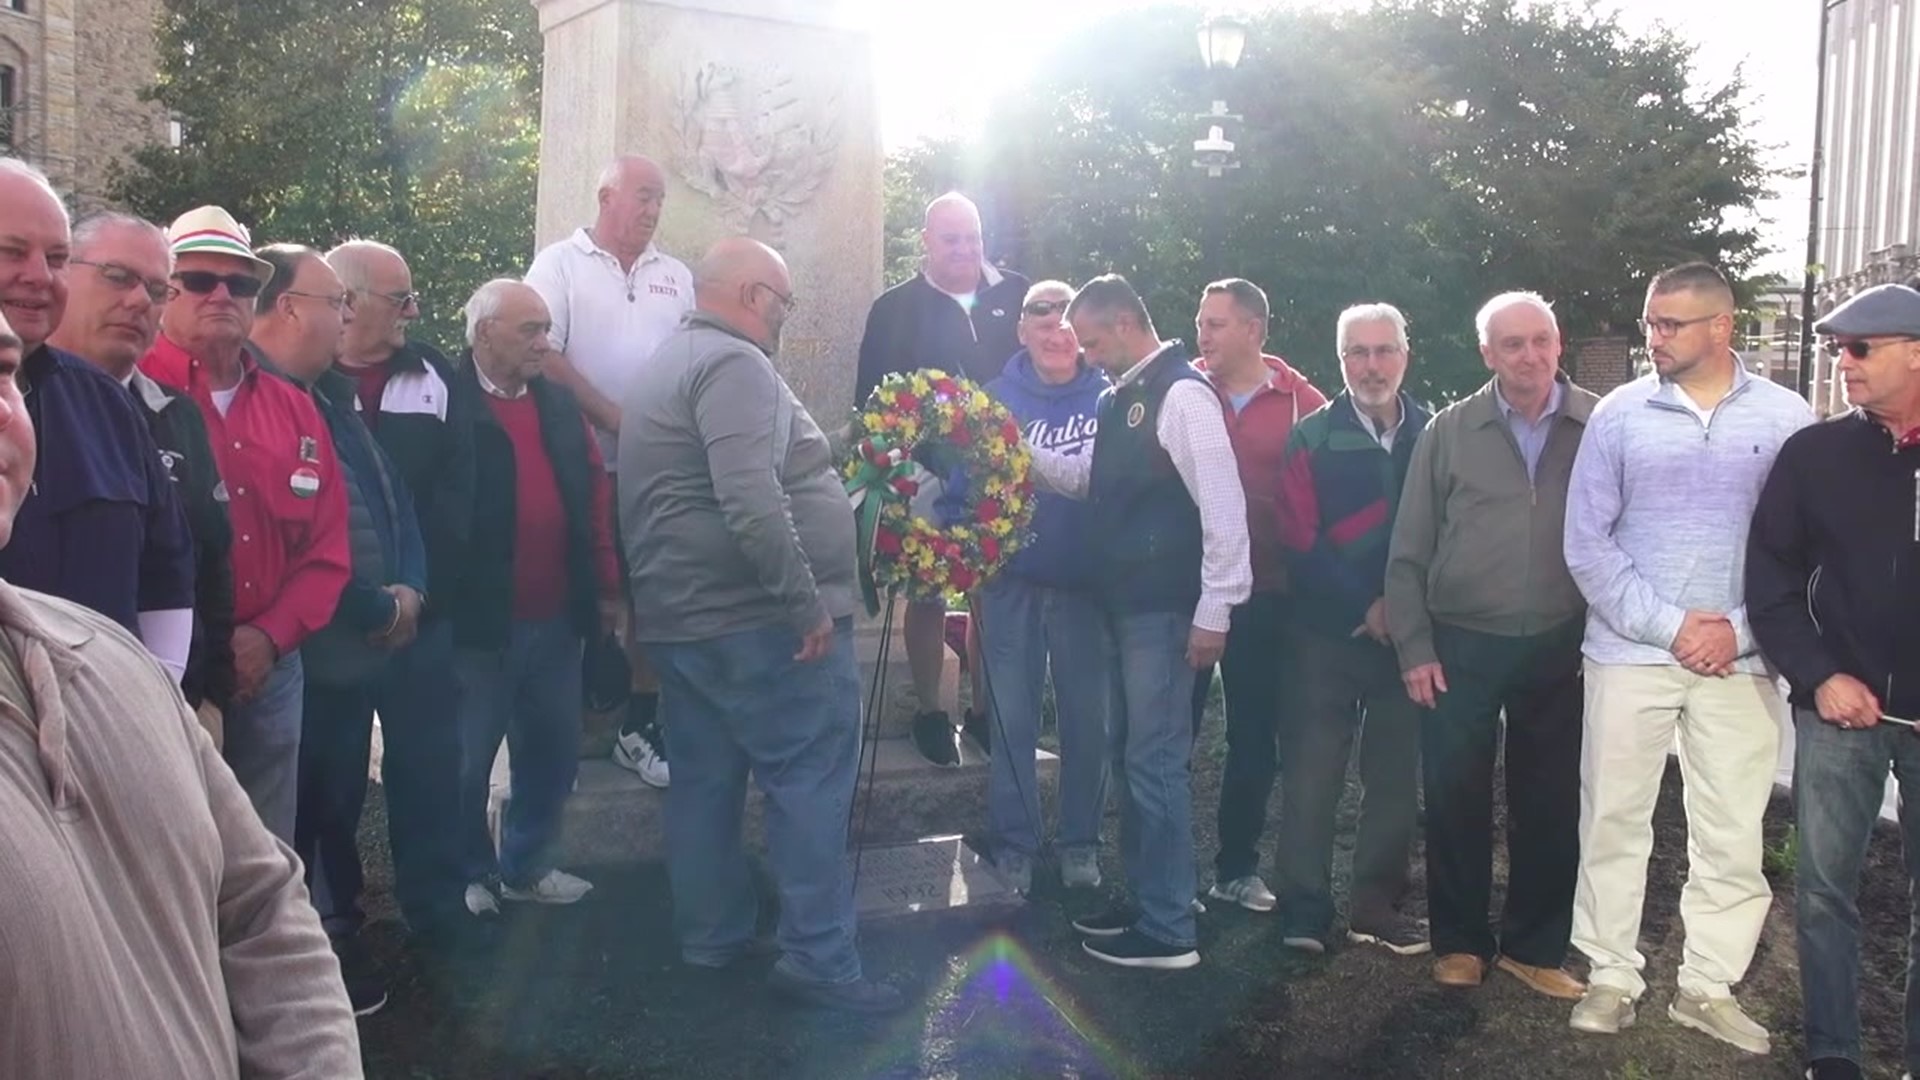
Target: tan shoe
1459,969
1551,981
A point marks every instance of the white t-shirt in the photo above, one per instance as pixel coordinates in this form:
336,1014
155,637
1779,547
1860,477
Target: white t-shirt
223,399
607,320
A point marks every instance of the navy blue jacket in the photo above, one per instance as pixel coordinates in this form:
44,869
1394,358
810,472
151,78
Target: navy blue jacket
101,525
1061,418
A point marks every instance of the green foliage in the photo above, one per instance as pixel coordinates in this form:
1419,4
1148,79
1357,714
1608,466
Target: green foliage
1429,153
414,122
1782,859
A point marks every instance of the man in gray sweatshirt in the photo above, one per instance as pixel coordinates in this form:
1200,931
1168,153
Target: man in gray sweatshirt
741,547
1662,493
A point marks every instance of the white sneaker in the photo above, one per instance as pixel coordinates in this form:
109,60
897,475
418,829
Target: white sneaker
480,901
1249,892
1720,1017
1602,1010
558,887
634,750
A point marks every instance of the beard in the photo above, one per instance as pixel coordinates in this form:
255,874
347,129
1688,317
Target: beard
1373,397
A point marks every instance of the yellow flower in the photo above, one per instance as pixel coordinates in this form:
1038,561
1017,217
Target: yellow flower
921,387
1002,527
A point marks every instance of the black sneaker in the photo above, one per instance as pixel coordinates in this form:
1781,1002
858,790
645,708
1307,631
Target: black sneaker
1109,923
935,738
859,996
1834,1068
979,727
365,989
1399,935
1134,949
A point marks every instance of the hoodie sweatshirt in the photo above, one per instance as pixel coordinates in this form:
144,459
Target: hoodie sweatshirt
1259,433
1060,418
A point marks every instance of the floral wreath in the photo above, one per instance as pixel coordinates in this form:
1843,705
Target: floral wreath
949,427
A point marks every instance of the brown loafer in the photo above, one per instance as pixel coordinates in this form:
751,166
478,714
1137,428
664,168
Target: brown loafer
1459,969
1551,981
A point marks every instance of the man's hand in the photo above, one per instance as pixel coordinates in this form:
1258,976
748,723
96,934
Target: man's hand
1375,624
1705,644
815,643
1204,648
253,658
1845,701
615,618
1425,683
406,621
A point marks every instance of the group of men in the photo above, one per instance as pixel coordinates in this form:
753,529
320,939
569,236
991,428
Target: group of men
1536,575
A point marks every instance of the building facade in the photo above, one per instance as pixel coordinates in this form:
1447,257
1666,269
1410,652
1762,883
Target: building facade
71,74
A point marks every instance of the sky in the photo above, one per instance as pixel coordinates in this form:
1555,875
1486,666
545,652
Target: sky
997,42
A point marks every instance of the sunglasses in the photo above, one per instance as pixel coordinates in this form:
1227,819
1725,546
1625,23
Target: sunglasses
1040,309
1857,349
202,282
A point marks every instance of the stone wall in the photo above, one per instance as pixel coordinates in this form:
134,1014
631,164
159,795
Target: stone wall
81,65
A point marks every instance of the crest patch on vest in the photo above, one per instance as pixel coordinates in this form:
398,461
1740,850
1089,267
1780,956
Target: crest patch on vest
1136,412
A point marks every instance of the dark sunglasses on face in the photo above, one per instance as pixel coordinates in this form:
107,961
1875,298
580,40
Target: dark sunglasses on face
1040,309
202,282
1858,349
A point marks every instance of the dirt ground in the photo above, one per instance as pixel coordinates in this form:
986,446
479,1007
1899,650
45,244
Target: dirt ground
595,991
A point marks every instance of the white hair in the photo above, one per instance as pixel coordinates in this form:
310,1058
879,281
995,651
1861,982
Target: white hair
12,166
1048,288
351,261
1370,313
88,229
1483,321
485,303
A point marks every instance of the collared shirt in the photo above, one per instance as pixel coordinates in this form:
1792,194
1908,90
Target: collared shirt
1530,435
492,389
1194,434
284,492
608,320
1382,435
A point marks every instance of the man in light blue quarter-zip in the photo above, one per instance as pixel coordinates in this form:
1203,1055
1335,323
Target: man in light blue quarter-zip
1662,493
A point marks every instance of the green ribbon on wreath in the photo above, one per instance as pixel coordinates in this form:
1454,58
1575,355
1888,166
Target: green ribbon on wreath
885,475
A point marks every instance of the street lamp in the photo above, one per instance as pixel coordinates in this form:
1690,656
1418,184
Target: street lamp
1804,377
1222,38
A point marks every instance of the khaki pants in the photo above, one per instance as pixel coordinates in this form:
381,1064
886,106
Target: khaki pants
1728,739
213,721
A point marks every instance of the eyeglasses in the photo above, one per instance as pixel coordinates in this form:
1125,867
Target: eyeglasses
336,301
1361,352
1040,309
786,299
1859,348
1666,328
401,300
126,279
202,282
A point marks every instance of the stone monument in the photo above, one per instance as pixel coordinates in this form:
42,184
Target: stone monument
762,113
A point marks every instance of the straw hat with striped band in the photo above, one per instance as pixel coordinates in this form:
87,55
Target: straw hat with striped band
210,230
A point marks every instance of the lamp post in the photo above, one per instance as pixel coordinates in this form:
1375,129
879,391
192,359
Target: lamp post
1222,38
1803,378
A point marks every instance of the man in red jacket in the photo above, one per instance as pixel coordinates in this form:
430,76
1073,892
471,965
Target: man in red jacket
283,489
1262,398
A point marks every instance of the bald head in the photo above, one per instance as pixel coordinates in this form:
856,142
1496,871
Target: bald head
33,226
951,243
632,192
746,284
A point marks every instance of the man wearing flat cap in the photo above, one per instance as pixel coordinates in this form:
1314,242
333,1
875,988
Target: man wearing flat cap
1833,595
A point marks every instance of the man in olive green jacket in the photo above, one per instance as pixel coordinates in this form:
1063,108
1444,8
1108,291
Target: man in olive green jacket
1486,619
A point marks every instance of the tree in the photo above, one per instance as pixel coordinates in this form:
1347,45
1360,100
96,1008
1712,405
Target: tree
1429,153
414,122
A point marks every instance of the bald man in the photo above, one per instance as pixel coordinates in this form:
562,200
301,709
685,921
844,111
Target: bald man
614,296
742,554
961,315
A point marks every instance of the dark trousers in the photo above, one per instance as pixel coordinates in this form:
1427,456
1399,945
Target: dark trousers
1535,681
1251,674
1340,687
414,695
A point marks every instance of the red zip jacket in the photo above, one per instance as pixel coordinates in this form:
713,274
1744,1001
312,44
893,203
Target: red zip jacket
1259,434
283,490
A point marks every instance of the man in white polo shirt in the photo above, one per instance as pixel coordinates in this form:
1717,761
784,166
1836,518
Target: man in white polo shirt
614,297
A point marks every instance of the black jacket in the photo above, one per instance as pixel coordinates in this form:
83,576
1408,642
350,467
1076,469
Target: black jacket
914,325
181,434
480,589
1833,562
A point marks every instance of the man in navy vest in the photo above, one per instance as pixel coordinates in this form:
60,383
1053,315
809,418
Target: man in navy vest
1170,526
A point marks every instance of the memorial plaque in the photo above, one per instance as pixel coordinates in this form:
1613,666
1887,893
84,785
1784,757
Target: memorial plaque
937,873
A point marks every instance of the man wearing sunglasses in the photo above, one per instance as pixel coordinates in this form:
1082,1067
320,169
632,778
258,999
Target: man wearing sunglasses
102,525
1662,492
284,495
113,313
1833,591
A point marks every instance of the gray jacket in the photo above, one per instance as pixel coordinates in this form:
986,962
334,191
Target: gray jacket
731,511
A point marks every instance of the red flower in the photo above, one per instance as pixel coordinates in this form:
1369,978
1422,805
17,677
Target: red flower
961,578
1010,431
990,548
987,511
946,386
962,434
907,402
886,541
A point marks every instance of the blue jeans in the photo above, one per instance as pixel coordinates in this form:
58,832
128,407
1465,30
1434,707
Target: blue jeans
263,746
1029,633
529,694
415,695
741,704
1839,780
1152,758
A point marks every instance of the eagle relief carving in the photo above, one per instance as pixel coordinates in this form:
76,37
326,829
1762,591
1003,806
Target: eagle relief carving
750,141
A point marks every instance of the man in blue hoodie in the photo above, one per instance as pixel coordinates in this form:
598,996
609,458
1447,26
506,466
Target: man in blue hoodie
1041,615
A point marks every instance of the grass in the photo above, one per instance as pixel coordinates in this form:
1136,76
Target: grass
1781,859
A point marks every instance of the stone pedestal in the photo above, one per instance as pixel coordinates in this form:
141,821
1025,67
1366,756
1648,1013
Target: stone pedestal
762,113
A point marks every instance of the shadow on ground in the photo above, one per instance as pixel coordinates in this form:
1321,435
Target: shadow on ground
595,991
